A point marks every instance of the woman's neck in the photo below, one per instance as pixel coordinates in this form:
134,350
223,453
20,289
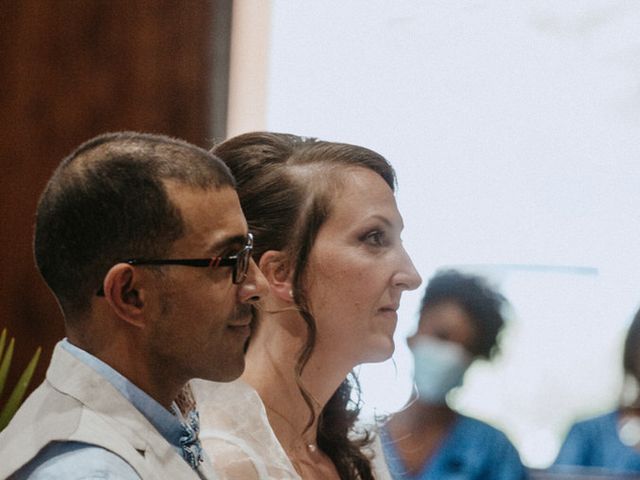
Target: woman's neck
270,369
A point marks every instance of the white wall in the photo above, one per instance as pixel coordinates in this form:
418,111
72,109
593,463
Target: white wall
515,131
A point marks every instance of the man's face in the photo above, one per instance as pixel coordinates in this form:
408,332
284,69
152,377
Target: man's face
202,318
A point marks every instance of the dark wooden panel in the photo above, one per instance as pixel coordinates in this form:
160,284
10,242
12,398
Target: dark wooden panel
70,70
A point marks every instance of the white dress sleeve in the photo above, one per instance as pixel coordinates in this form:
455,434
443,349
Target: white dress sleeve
236,435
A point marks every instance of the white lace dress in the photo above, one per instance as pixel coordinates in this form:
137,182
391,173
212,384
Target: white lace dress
237,437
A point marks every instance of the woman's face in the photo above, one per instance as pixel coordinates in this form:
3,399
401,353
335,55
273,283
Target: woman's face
447,321
358,270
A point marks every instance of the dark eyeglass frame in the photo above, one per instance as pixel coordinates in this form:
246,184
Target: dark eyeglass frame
240,261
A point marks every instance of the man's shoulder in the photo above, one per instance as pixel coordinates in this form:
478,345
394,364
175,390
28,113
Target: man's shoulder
44,407
46,415
51,419
75,404
50,416
76,461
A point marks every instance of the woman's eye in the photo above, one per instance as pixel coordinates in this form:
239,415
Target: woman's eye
375,238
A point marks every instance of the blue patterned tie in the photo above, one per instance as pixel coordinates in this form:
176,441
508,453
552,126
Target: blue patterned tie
189,441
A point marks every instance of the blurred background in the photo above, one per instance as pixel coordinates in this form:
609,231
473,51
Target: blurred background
514,128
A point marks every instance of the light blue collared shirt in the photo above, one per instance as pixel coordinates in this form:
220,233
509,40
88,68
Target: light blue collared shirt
81,461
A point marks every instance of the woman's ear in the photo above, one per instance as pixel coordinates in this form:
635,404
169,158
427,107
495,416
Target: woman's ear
275,267
123,294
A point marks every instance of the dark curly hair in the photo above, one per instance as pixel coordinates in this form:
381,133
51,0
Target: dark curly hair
631,353
286,185
477,298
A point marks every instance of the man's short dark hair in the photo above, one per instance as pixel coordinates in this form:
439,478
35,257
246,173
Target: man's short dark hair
107,201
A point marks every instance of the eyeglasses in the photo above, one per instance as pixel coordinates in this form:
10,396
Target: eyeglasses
240,262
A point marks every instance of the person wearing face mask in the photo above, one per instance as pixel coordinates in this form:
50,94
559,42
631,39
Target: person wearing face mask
460,319
610,442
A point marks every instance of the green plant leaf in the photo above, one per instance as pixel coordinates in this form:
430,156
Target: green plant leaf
5,363
13,403
3,339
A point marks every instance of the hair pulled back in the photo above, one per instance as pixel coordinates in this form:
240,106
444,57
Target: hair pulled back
286,184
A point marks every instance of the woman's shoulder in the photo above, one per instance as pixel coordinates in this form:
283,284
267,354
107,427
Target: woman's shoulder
229,402
594,427
235,432
482,433
478,426
605,419
489,446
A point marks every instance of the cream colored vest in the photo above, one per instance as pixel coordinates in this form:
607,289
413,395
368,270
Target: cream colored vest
74,403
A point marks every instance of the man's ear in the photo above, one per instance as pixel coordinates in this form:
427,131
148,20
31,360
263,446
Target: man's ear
122,292
275,268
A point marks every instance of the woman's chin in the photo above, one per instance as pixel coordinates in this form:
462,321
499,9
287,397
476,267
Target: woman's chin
382,349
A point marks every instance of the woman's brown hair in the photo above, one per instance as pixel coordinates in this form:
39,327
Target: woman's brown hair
286,186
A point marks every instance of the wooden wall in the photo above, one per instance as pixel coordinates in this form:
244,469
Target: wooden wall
70,70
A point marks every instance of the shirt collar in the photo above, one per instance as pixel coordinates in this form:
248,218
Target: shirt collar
169,424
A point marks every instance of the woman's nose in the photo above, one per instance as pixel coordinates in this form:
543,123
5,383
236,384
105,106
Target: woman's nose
407,276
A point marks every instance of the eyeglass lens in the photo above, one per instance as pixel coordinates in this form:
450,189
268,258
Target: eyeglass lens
242,265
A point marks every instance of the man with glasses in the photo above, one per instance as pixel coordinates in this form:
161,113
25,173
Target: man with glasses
142,240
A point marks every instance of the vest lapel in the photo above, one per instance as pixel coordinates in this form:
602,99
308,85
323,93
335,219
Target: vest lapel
109,408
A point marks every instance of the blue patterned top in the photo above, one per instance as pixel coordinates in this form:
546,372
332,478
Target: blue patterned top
472,450
595,443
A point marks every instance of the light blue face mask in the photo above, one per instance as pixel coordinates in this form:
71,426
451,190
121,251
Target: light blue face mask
438,367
